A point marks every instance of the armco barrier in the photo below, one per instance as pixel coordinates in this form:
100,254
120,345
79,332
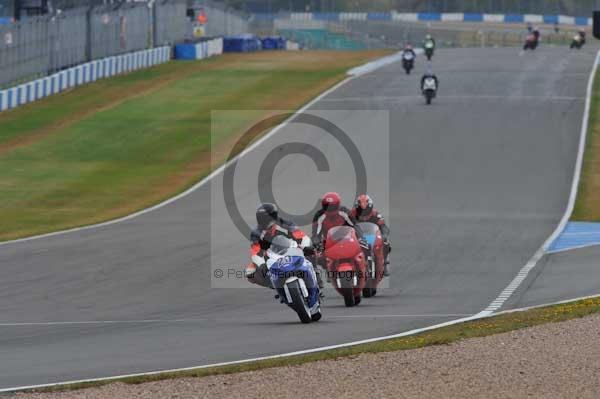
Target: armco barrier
431,16
200,50
81,74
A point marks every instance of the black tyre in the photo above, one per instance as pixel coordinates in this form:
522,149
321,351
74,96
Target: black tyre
428,99
298,302
317,316
348,290
357,300
369,292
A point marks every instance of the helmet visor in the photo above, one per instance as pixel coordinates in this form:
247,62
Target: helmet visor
264,220
329,208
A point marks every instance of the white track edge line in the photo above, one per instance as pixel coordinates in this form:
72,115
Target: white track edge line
524,272
283,355
481,315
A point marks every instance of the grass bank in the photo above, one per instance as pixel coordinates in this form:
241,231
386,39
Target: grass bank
478,328
112,147
587,207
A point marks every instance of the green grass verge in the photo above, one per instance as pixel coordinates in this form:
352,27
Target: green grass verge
478,328
587,206
110,148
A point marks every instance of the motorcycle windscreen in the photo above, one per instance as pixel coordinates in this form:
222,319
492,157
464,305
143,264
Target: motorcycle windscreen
370,231
339,234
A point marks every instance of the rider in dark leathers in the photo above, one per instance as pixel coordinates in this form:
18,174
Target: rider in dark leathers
269,226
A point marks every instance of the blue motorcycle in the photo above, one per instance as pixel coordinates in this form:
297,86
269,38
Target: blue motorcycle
294,279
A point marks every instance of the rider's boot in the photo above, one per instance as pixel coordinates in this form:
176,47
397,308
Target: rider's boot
259,275
387,249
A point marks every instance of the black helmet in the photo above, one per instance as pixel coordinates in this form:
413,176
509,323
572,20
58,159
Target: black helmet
280,245
266,214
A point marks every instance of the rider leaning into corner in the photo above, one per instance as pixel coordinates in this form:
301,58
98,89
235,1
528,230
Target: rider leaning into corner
269,226
363,211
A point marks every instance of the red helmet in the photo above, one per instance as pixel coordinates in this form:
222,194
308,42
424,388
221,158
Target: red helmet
363,204
331,202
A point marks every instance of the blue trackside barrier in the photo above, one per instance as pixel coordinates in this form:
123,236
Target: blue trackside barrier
550,19
273,43
514,18
469,17
185,52
80,75
429,16
581,20
200,50
241,44
379,16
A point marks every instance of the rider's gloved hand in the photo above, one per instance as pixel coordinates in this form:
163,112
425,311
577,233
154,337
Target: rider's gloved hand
309,251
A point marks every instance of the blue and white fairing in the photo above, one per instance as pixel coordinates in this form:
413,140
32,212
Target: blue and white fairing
293,264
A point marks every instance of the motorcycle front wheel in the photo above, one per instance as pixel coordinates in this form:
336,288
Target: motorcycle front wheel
298,302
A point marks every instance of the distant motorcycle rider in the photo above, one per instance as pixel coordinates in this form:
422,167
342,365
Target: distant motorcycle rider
429,74
428,39
363,211
408,49
269,226
581,34
536,34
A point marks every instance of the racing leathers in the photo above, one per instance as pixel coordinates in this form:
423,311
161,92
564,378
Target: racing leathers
325,220
257,271
373,216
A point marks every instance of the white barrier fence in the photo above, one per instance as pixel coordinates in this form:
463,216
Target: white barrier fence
82,74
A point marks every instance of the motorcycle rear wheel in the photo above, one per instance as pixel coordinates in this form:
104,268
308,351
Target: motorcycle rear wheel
347,290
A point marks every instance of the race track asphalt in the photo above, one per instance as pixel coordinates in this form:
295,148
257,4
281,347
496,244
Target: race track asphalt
471,186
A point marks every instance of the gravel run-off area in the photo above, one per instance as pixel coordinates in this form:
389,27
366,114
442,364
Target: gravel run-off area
556,360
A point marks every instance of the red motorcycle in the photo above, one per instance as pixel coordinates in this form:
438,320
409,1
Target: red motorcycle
346,263
375,260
